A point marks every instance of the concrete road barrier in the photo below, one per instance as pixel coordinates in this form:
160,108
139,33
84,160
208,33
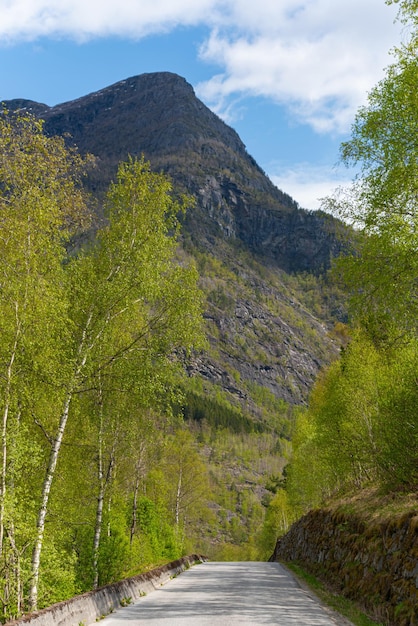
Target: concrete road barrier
86,608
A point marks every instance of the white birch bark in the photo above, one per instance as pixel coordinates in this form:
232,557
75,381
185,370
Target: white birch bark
99,519
46,490
178,496
52,464
6,409
100,497
134,511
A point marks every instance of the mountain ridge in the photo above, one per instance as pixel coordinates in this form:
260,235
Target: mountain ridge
248,237
159,116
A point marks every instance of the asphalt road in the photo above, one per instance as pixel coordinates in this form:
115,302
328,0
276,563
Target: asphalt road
228,594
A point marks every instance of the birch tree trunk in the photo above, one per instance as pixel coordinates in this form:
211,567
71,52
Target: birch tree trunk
100,496
52,464
6,409
134,511
139,471
99,519
46,490
103,483
4,450
178,496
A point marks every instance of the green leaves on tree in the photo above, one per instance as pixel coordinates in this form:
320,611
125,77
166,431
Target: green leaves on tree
382,202
89,341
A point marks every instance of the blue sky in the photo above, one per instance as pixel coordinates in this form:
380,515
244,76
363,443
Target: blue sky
288,75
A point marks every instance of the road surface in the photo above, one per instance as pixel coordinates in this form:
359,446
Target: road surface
228,594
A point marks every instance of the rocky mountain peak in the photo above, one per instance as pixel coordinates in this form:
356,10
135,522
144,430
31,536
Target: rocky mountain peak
246,233
152,113
159,116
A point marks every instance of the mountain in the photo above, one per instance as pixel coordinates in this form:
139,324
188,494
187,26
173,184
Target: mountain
261,257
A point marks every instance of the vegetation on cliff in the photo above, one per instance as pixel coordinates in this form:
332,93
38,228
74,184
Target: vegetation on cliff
260,257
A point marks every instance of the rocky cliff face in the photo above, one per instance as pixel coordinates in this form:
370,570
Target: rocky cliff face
274,229
246,234
159,116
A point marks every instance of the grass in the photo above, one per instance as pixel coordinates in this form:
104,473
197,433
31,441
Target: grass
377,504
338,603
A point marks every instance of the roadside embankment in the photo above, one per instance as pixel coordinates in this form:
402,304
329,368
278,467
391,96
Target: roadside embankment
86,608
374,563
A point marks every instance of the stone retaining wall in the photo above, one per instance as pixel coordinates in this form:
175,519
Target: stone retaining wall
86,608
376,564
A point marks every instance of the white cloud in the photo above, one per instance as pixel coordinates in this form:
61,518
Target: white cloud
85,19
318,57
308,183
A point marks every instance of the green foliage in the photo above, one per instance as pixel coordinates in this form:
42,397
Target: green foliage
114,547
42,207
156,538
277,413
90,350
310,480
278,518
58,578
398,432
382,202
361,425
408,11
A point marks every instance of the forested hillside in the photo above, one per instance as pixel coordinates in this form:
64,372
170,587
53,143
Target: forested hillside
161,334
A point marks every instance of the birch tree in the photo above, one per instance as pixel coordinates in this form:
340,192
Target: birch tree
41,207
382,201
130,301
188,483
